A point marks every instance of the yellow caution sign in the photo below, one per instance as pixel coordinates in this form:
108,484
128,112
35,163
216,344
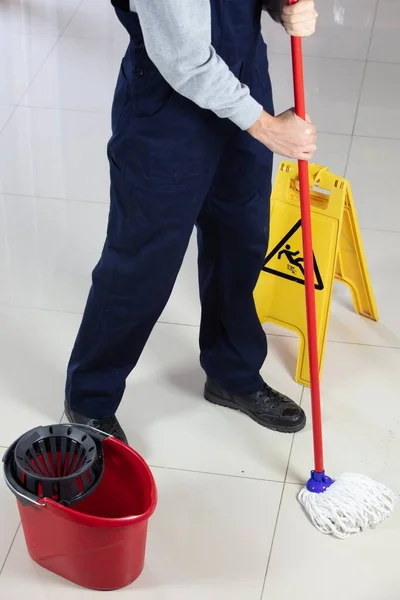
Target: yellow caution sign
338,254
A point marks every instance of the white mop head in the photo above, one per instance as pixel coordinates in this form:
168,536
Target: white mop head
349,505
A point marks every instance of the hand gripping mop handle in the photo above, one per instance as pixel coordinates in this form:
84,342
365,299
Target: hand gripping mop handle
305,202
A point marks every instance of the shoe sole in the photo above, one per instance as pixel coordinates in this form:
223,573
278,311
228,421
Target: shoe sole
220,401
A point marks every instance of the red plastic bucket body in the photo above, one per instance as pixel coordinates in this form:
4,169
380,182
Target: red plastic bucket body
99,543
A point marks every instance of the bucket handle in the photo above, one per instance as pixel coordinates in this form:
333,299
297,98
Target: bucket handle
100,434
25,499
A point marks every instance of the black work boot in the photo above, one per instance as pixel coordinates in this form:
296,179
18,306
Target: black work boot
267,407
108,425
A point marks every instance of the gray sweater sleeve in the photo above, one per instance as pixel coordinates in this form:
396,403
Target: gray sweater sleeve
177,36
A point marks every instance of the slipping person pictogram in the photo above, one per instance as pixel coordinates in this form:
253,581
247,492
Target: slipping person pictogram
290,255
294,259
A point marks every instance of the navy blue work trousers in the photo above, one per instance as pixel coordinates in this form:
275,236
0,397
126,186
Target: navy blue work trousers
174,166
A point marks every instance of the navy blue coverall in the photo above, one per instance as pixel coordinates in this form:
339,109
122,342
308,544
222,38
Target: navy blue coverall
174,165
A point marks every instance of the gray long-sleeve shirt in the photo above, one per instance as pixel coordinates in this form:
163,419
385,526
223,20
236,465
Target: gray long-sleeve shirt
177,36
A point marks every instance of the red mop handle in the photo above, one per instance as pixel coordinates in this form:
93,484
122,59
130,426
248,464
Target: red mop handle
305,202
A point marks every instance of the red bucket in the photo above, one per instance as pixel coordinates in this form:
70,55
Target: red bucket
100,542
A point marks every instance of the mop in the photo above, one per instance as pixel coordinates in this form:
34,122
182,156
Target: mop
350,503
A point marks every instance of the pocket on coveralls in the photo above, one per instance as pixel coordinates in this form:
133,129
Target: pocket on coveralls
150,91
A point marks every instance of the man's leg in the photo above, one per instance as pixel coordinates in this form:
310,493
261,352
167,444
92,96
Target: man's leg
233,230
161,170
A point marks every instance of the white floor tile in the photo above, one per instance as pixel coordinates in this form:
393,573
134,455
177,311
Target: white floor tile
361,416
343,30
80,74
46,254
379,110
32,276
332,90
209,538
36,16
364,567
383,258
5,114
372,172
33,355
168,421
332,152
21,58
385,43
95,19
55,154
9,517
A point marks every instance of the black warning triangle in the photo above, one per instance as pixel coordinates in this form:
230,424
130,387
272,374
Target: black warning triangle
295,262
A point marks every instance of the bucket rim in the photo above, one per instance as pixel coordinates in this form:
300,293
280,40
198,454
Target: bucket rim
88,520
26,497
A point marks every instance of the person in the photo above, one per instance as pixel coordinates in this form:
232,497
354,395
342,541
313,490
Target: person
193,137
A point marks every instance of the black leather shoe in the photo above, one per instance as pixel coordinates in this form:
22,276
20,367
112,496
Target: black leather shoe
267,407
108,425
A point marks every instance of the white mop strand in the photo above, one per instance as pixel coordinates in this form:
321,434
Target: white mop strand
350,505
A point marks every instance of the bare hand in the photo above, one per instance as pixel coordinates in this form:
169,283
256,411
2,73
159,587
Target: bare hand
300,19
286,134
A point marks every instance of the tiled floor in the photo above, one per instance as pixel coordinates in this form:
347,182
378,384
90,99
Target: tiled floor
228,524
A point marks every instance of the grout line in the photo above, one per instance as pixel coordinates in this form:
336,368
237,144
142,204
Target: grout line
106,112
341,58
301,400
216,474
359,101
319,57
298,484
282,335
10,117
387,231
179,324
37,73
106,202
200,472
278,514
58,37
364,345
378,3
384,62
346,166
56,198
45,309
279,508
366,137
64,109
365,70
10,548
